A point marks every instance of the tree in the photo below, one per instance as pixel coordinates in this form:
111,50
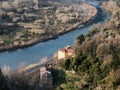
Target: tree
66,64
20,81
3,82
80,39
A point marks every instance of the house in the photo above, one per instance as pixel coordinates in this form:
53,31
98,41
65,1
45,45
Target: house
46,78
67,51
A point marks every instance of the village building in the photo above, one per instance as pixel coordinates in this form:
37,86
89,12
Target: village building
64,52
46,78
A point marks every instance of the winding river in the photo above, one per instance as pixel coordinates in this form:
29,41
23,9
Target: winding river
34,53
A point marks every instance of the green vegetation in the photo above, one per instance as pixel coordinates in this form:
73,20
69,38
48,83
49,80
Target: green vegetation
96,65
58,77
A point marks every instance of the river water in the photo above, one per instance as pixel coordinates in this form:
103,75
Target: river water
33,54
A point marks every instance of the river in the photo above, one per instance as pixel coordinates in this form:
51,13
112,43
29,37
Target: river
33,54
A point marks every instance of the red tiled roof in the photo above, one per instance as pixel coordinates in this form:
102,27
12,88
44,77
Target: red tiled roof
67,50
70,50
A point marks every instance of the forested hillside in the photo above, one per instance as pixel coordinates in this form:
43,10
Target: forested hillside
96,65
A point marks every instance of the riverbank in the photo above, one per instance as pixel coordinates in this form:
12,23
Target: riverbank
53,61
24,44
38,65
33,54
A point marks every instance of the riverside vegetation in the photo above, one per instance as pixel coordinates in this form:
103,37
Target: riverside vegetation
96,65
26,22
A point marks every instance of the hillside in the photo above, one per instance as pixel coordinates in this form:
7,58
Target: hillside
96,64
26,22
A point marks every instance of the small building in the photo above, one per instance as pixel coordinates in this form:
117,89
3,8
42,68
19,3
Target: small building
46,78
67,51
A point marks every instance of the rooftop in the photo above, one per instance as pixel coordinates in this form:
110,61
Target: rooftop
67,49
